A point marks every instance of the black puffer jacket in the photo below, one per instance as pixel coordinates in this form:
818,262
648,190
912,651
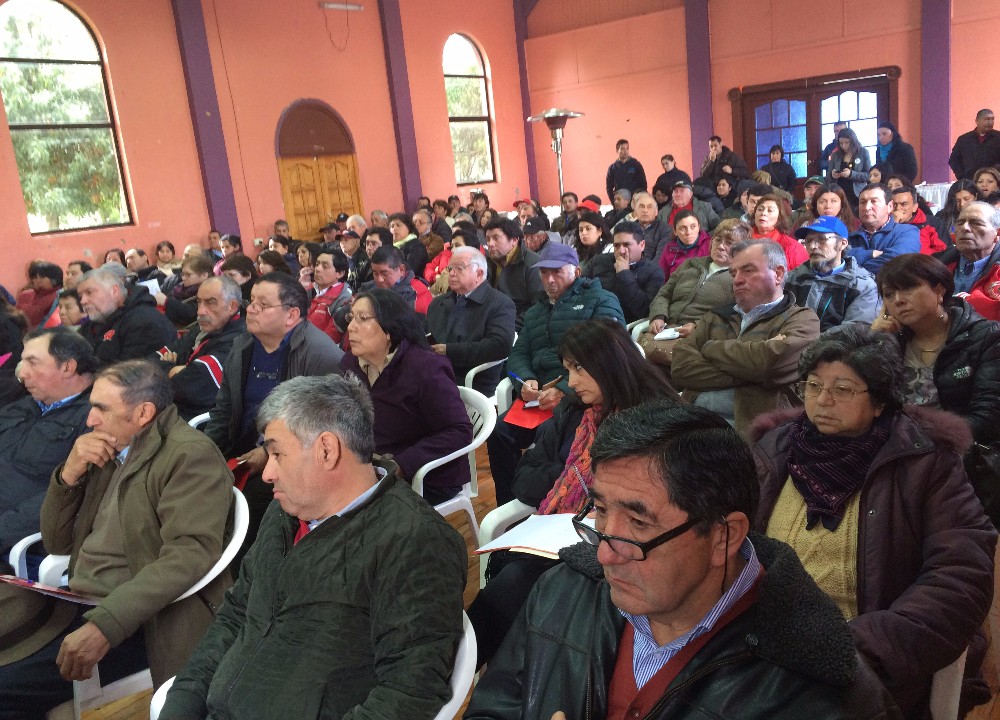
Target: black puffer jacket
789,656
967,371
134,331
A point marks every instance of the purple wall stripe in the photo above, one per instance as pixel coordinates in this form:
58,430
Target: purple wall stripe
699,67
523,8
935,89
205,116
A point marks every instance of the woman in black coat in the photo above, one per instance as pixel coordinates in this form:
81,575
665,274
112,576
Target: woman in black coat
893,151
782,174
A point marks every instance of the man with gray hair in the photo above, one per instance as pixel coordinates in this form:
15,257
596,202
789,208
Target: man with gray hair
124,322
349,604
380,219
195,362
742,359
621,204
141,506
975,259
472,323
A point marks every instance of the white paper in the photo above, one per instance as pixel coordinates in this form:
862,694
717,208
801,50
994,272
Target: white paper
531,404
152,285
667,334
543,535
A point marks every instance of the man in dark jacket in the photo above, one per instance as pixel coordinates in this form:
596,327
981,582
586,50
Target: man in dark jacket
512,268
196,363
655,232
37,432
534,360
472,323
625,173
977,148
362,616
124,324
722,161
716,624
626,273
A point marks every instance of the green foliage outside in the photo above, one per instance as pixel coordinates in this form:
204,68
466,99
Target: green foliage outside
470,140
69,175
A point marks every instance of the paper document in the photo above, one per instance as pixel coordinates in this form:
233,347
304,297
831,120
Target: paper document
543,535
152,285
51,591
667,334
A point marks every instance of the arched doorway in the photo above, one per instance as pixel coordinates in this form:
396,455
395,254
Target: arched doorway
317,167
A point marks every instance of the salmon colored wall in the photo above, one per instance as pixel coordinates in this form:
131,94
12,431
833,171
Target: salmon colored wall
763,41
267,55
490,24
975,83
161,162
635,87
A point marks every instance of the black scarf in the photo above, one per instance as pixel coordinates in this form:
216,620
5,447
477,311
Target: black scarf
828,470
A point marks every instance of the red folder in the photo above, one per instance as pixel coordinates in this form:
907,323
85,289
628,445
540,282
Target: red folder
529,418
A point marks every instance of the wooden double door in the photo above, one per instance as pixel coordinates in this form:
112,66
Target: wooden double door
316,189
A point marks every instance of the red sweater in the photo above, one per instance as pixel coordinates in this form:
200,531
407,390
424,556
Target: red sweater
794,252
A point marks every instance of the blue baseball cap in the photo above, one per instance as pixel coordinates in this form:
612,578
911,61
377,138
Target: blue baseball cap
556,255
823,224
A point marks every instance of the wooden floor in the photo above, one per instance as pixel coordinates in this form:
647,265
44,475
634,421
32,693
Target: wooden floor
136,707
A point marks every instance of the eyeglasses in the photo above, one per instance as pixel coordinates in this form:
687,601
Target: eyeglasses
258,306
352,316
839,393
457,268
819,239
628,549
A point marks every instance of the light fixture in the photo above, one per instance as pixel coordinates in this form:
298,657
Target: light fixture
556,119
341,6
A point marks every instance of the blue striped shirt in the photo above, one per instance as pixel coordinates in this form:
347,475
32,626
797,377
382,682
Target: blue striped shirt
648,657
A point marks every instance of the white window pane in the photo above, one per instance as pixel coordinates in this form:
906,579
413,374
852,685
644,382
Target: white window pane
44,29
849,105
866,130
829,111
461,57
867,105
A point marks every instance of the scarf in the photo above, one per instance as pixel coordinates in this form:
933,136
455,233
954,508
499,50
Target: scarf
569,493
828,470
183,292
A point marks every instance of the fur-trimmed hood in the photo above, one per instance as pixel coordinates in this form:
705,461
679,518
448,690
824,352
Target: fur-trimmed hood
944,429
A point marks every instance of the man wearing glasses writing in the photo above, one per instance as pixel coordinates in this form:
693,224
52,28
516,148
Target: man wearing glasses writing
668,609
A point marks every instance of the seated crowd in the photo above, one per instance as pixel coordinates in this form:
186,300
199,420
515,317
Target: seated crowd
801,396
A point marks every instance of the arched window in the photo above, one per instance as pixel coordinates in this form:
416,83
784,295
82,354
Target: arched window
467,88
54,89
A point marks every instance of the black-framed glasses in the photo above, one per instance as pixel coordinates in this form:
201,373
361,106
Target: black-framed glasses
626,548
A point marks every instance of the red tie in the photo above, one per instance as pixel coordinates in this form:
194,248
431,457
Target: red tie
302,532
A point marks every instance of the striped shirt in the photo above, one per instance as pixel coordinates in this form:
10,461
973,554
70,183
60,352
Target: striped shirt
648,657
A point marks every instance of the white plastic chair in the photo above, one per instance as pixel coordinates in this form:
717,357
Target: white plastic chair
461,677
484,418
199,420
90,694
638,328
946,690
504,396
496,523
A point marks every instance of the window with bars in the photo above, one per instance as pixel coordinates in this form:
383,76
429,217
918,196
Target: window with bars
467,90
54,89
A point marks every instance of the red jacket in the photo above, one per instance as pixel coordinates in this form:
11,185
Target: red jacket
930,242
795,253
40,308
325,306
985,294
424,296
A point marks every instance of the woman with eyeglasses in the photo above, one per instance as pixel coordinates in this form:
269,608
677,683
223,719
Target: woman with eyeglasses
608,374
419,415
873,498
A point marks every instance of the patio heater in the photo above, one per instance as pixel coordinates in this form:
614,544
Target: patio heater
556,119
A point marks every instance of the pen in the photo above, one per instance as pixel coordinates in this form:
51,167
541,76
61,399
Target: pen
515,377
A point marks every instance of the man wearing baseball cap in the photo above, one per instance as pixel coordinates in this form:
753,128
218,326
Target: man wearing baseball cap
534,361
536,236
835,286
802,213
682,198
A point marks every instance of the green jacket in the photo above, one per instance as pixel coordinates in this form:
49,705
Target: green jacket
360,619
174,501
535,354
690,292
758,364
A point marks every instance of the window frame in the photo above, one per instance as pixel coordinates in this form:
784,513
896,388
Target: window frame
462,119
111,124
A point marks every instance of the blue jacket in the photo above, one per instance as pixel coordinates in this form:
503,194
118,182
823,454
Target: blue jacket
892,239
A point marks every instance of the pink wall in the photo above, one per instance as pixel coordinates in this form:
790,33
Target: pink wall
974,81
265,56
161,164
763,41
490,24
626,84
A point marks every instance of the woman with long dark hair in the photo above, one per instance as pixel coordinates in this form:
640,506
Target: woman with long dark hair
419,415
895,153
961,193
608,374
592,238
849,165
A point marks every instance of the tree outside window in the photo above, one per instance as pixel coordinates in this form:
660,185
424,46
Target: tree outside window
54,91
467,91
